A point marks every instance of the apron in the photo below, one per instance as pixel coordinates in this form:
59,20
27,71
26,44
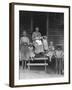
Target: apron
38,46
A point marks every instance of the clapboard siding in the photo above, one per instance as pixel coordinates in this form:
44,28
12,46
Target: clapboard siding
57,36
51,24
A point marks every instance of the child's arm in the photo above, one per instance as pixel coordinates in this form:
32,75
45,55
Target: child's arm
20,41
55,53
62,54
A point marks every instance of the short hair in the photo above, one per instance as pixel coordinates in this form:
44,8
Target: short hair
36,27
59,47
24,31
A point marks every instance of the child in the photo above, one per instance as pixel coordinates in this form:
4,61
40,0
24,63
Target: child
50,54
51,51
45,43
51,46
24,50
59,57
31,52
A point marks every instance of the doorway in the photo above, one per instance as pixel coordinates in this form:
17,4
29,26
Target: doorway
39,20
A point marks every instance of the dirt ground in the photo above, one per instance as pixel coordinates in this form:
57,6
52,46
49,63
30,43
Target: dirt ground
37,72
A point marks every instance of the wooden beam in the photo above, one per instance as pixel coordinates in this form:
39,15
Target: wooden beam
38,64
31,23
47,23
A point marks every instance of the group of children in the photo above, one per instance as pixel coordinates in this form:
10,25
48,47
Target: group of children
28,50
59,57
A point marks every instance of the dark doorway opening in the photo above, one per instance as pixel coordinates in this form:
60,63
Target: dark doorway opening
40,21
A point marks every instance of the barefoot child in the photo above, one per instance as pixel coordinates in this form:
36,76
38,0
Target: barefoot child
59,57
31,52
24,50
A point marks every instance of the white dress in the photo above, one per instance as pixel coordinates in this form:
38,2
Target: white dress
31,52
45,43
50,54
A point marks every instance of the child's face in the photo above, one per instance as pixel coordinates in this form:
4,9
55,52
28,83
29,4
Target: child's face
37,29
58,49
24,33
51,43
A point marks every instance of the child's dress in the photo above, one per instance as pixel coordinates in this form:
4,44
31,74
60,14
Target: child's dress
45,44
31,52
24,50
50,54
51,48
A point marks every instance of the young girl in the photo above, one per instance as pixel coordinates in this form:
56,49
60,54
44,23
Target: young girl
45,43
24,50
31,52
51,51
51,46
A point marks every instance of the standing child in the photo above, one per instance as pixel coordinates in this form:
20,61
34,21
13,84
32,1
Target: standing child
45,43
59,57
24,50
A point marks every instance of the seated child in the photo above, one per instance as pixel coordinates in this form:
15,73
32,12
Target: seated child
59,57
51,51
51,46
31,52
50,54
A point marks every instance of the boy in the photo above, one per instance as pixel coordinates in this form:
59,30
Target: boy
59,57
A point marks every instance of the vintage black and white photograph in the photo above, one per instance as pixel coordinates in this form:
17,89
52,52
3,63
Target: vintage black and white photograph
41,46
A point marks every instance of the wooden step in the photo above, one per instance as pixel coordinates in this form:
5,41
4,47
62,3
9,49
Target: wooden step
40,58
38,64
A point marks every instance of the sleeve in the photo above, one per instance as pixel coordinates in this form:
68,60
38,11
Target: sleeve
62,54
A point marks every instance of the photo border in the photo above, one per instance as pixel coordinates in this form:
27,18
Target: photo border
11,44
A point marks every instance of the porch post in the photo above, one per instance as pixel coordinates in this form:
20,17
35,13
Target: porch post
47,24
31,23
